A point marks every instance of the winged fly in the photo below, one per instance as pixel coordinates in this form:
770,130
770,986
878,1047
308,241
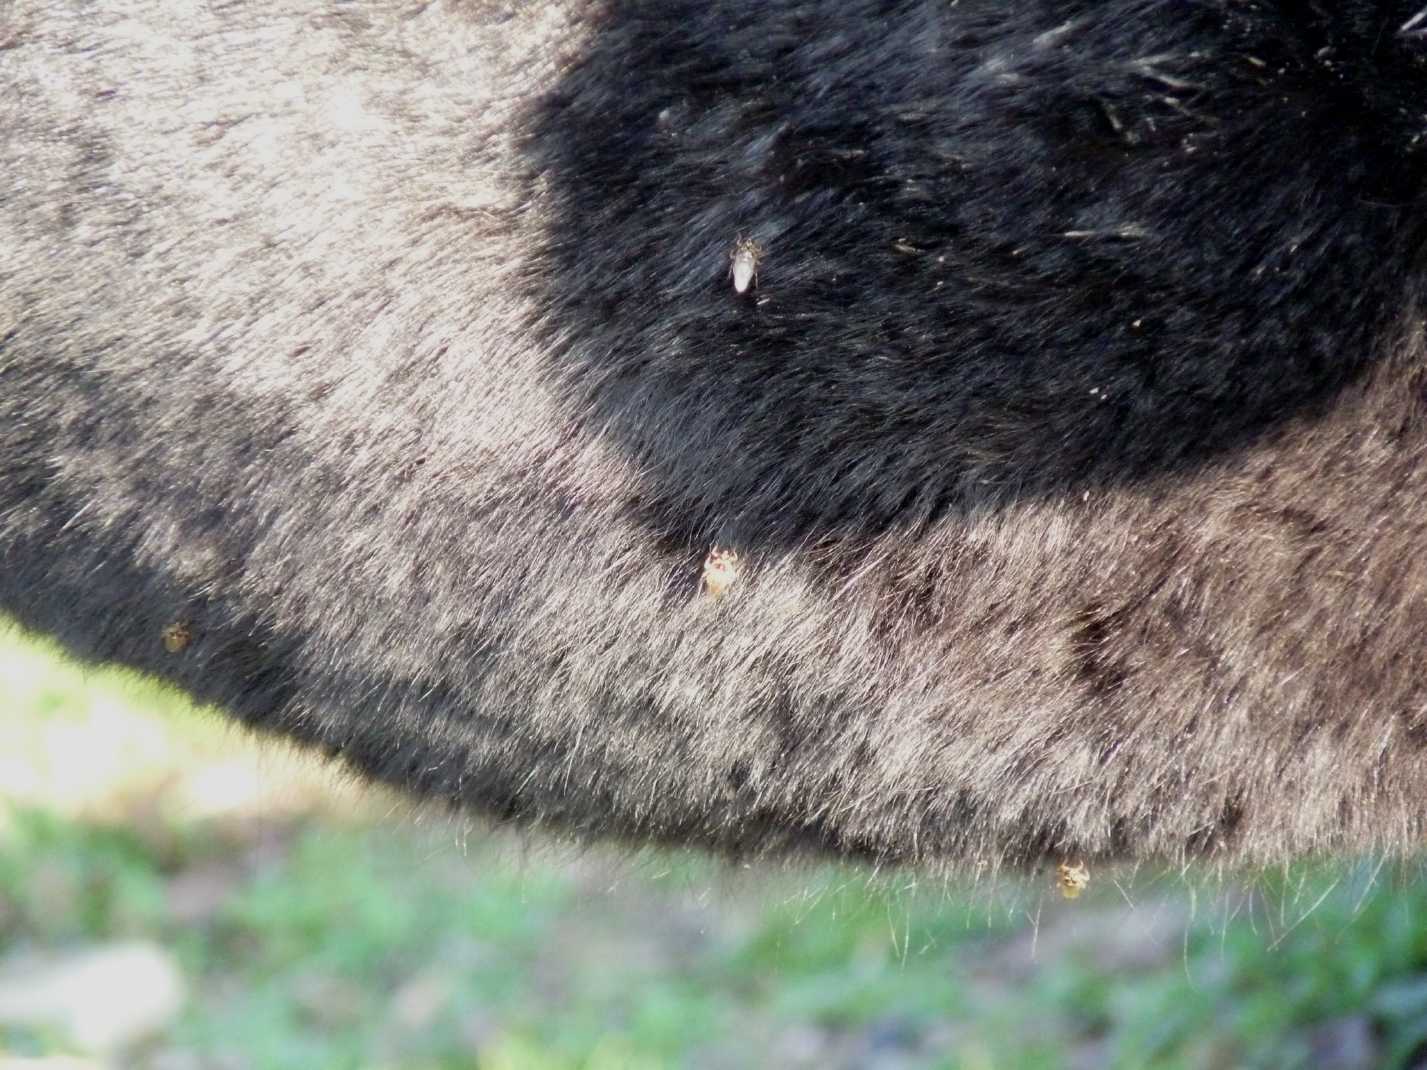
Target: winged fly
743,264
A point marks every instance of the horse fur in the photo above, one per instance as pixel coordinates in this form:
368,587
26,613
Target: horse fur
377,373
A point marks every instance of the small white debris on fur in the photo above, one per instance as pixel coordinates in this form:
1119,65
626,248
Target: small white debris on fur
744,266
720,570
1073,878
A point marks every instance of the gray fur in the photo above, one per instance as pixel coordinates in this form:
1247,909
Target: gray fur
1070,440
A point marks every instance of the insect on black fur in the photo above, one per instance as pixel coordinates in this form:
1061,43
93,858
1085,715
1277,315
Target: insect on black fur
743,264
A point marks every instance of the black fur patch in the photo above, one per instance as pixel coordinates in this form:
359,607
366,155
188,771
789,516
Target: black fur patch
1067,425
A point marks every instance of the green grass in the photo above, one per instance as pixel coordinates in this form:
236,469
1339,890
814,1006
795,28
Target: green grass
319,927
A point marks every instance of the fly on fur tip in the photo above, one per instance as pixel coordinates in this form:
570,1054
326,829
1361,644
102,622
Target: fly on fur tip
744,265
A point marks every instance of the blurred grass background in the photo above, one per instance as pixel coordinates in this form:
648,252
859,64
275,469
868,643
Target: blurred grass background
176,895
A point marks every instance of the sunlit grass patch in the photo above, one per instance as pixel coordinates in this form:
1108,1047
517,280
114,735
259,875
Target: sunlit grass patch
107,742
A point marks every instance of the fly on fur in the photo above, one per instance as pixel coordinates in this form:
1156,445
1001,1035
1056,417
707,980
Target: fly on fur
743,264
